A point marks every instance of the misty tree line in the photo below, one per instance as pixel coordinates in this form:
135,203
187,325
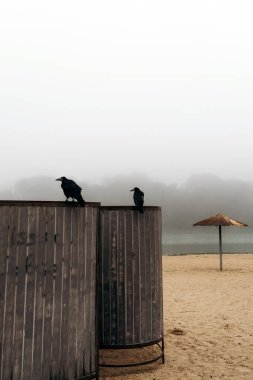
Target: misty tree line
201,196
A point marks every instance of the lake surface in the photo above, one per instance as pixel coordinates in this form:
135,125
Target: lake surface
206,240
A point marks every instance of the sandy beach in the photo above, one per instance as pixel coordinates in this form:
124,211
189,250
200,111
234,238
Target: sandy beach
208,322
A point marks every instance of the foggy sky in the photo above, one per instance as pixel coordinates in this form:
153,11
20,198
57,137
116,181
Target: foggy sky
94,89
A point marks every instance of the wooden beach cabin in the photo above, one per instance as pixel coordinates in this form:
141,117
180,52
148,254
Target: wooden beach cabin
48,261
130,281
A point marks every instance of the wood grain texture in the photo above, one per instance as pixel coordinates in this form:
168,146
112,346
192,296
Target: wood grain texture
29,331
7,289
22,229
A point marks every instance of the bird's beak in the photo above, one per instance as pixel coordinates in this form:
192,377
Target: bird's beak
132,190
58,179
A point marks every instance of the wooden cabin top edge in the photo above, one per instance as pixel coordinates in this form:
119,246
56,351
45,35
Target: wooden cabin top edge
45,203
129,208
63,204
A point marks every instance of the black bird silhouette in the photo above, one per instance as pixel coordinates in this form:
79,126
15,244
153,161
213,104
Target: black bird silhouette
138,198
71,190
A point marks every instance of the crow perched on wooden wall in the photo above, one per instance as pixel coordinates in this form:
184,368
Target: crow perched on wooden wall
138,198
71,190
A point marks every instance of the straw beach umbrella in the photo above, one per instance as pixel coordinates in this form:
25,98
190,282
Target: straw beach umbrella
220,220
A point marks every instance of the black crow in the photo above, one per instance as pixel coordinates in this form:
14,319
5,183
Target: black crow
138,198
71,190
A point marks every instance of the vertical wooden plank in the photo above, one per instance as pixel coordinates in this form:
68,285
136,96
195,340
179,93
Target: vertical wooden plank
93,295
126,254
73,294
39,296
20,293
101,281
81,304
57,307
156,269
159,273
105,329
86,290
130,277
148,273
113,276
88,231
142,279
66,294
30,290
121,269
6,293
48,295
136,247
153,276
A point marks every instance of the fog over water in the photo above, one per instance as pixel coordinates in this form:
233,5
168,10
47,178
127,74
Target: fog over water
198,198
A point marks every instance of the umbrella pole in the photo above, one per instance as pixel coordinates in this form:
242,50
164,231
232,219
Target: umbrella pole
220,247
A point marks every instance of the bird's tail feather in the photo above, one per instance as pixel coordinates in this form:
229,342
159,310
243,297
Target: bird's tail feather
140,208
81,201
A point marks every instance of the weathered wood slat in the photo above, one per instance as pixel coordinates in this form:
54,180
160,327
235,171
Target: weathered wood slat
93,293
39,297
154,290
105,325
136,275
29,331
121,271
113,277
66,294
7,294
49,292
148,270
20,293
73,295
58,284
160,279
81,289
129,279
143,279
87,299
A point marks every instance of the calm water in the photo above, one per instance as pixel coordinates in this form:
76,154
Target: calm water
206,240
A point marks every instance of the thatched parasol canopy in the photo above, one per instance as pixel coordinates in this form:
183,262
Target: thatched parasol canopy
220,220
